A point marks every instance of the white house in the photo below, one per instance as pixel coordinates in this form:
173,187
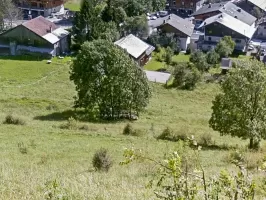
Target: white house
221,25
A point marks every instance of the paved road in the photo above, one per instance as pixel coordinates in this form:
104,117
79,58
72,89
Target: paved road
158,77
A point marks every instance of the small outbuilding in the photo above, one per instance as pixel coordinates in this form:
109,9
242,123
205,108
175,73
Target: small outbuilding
226,64
139,50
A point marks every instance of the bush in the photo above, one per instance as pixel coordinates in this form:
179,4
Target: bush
101,160
22,148
72,124
167,134
170,135
13,120
212,57
206,140
185,77
199,60
188,51
129,130
168,55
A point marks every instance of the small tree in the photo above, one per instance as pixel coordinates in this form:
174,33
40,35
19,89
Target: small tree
240,110
225,46
168,55
185,76
198,58
212,57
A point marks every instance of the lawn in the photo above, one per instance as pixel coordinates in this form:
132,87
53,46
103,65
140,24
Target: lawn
73,5
63,155
155,65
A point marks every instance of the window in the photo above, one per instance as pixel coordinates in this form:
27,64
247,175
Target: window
264,27
191,4
209,38
238,41
183,3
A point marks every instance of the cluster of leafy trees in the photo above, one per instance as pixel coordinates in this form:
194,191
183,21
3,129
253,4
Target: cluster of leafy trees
9,11
112,18
159,40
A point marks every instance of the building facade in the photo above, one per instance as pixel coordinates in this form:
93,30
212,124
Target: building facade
34,8
185,7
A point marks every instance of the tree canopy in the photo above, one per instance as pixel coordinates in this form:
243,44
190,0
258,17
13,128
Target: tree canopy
240,110
225,46
108,81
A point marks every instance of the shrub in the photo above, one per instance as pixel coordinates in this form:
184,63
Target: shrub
212,57
167,134
128,130
101,160
72,124
170,135
235,157
14,120
22,148
188,51
168,55
206,140
185,77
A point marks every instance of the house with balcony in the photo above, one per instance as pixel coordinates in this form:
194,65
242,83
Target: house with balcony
261,30
173,24
184,8
249,5
228,8
35,8
36,36
221,25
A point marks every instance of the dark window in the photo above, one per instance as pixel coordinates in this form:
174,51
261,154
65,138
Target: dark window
238,41
209,38
264,27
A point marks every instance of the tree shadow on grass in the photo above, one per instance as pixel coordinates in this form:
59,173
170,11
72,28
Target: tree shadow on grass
78,115
222,147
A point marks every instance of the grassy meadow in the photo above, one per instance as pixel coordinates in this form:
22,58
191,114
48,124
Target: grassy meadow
40,151
73,5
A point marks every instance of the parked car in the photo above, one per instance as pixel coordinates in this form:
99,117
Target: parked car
163,13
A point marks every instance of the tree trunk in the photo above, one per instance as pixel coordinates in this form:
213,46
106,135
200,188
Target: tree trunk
251,143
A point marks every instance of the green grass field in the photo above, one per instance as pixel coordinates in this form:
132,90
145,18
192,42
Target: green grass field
42,95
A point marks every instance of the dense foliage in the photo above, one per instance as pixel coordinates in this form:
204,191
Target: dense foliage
108,82
240,110
198,58
186,76
225,46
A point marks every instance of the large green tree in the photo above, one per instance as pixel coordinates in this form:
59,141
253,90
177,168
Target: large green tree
137,25
108,81
240,109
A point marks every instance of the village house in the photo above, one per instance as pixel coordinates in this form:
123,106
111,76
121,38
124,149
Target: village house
38,35
229,8
35,8
185,7
221,25
249,5
182,28
137,49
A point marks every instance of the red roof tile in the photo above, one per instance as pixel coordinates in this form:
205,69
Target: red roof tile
40,26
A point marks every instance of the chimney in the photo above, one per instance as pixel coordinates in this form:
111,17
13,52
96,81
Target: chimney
210,5
169,17
239,9
236,17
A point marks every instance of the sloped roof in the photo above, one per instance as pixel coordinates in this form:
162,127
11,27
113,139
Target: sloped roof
183,25
134,46
40,26
232,23
230,9
226,63
259,3
50,37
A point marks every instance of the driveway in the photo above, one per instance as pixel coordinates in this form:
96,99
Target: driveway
157,77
